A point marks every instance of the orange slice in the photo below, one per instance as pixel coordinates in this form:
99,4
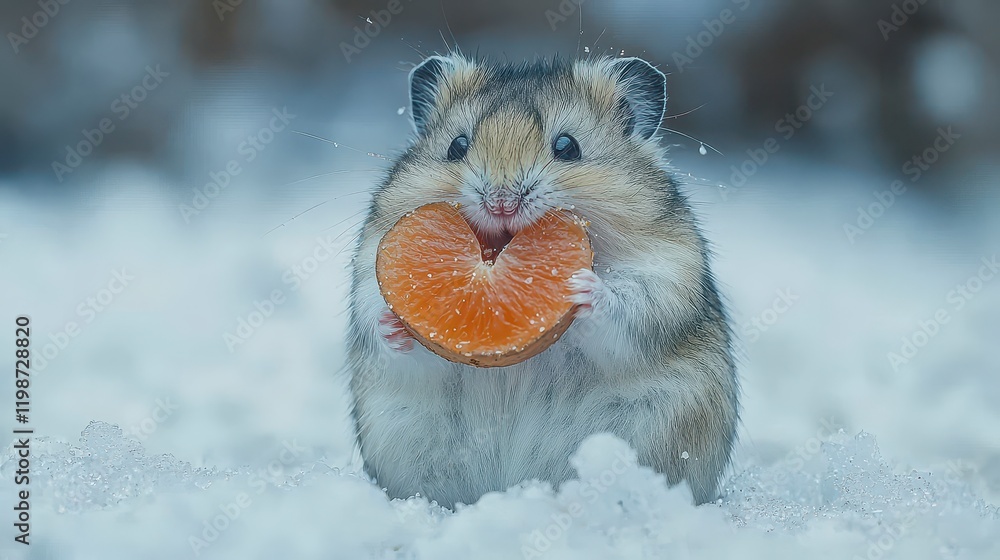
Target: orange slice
453,297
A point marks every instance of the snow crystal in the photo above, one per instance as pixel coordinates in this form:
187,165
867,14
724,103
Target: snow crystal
842,502
103,470
850,481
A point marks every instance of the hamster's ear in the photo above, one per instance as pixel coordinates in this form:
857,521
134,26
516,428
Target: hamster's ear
425,82
644,90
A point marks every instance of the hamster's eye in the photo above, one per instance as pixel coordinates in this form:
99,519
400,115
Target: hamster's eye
566,148
459,147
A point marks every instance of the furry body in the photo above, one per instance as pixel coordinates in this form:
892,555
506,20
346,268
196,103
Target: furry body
648,358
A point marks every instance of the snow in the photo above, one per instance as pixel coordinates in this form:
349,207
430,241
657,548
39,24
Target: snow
844,502
151,429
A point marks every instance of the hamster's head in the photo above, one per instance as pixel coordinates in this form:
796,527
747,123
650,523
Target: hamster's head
509,142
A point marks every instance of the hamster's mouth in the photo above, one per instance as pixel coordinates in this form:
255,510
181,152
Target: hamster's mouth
492,232
492,243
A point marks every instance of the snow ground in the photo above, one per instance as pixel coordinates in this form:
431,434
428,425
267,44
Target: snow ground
256,440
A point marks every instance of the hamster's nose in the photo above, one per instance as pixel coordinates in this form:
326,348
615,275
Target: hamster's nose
503,207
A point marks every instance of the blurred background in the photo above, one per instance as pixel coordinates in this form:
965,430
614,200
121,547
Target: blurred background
898,71
842,155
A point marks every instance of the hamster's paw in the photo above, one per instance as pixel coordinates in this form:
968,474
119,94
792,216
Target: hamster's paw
588,291
393,333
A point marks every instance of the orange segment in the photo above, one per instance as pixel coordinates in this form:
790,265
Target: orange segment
432,273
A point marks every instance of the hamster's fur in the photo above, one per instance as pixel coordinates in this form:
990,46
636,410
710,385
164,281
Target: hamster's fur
649,357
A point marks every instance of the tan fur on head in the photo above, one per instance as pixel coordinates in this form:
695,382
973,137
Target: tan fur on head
598,79
462,79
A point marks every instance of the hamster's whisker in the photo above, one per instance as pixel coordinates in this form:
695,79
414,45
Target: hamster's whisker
328,173
349,244
447,24
706,144
281,225
688,112
594,48
313,207
357,235
354,215
341,145
382,223
415,49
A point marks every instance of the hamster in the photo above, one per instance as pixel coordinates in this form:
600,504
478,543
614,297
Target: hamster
648,357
